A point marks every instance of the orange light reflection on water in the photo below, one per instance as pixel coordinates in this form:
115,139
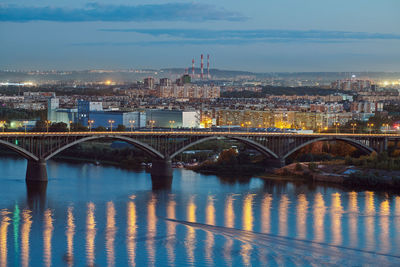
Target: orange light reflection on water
4,223
131,233
110,234
47,236
25,236
90,234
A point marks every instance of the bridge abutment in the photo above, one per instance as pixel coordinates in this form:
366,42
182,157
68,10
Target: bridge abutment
36,171
161,174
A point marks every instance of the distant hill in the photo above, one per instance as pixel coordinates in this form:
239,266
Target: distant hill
173,73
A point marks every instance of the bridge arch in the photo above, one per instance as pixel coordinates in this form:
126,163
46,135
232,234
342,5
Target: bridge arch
21,151
142,146
260,148
350,141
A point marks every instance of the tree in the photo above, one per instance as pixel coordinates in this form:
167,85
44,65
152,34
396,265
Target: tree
121,128
58,127
100,129
40,126
77,127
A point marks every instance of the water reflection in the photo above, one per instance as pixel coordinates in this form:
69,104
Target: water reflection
353,218
319,217
131,232
70,232
210,220
266,213
283,215
369,219
336,217
25,236
110,234
230,223
190,242
302,208
47,236
384,225
151,229
90,234
36,195
233,225
247,224
4,222
171,230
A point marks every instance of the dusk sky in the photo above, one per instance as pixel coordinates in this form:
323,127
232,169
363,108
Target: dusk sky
254,35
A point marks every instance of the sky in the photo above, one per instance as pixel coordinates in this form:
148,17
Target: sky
252,35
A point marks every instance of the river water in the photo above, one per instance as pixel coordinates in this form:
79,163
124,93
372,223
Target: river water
105,216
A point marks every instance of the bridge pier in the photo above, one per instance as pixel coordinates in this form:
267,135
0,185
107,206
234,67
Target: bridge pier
275,163
36,171
161,174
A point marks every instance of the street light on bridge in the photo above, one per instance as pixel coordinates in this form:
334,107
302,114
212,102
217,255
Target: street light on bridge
370,125
90,124
171,123
69,127
47,125
111,124
386,125
353,125
337,124
3,124
25,123
229,126
151,122
131,122
248,123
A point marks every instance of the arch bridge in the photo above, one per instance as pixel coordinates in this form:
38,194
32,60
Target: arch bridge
163,146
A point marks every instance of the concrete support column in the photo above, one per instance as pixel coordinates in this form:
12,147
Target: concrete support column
275,163
161,174
36,171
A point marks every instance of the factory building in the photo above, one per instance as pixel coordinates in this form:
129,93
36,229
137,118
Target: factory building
57,114
172,118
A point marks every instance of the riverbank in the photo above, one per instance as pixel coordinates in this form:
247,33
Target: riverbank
340,174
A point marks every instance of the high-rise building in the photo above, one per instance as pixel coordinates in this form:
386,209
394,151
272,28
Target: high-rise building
149,83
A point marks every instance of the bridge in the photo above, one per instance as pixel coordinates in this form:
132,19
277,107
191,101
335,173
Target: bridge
163,146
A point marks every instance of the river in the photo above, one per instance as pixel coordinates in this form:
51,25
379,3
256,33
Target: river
106,216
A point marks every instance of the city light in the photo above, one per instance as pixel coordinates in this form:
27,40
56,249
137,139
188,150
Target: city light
111,124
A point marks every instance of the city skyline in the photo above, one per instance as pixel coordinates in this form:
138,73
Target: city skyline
260,36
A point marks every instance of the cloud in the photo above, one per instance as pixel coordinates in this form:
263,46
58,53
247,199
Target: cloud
195,12
201,42
262,35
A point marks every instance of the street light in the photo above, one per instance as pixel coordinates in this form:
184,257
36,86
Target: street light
353,125
248,123
151,122
386,125
3,124
69,127
47,125
229,126
370,125
111,124
171,123
25,123
336,125
131,122
90,124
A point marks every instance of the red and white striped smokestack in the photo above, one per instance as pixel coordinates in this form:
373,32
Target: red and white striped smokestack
193,68
208,66
201,67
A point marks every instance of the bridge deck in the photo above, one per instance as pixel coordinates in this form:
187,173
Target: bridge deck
195,133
